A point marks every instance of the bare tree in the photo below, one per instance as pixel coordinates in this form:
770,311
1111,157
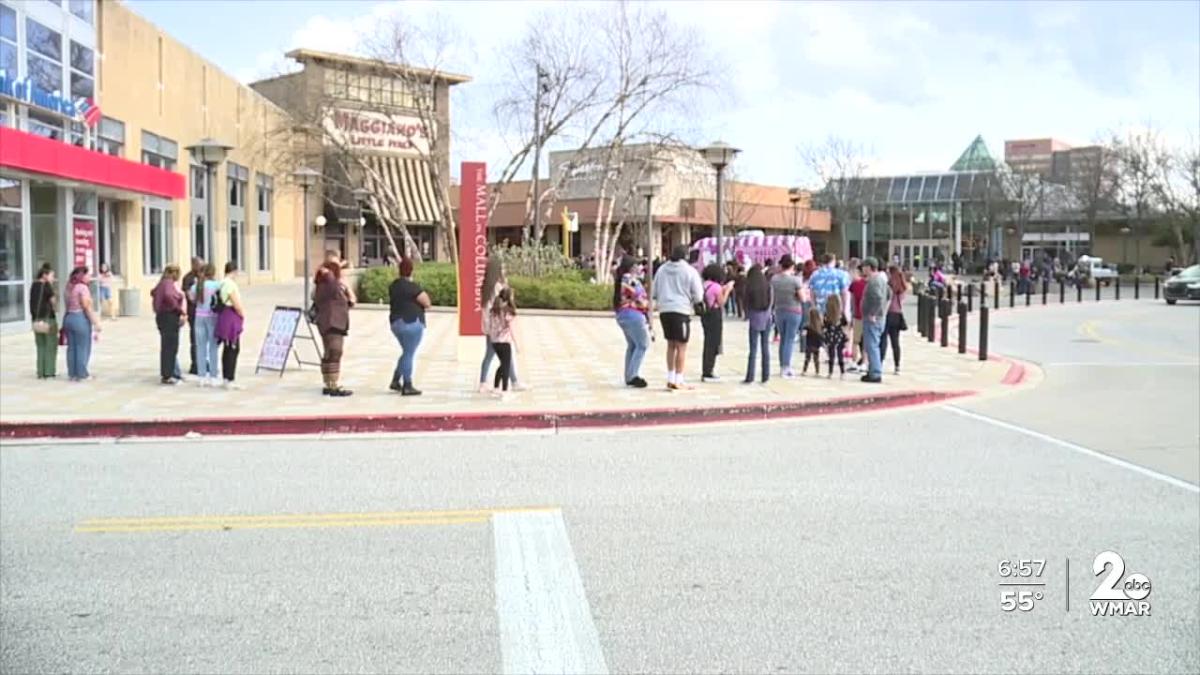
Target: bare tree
1024,194
1142,160
1179,193
625,84
1092,183
836,167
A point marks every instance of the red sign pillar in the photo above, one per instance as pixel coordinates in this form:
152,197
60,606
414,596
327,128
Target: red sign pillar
472,246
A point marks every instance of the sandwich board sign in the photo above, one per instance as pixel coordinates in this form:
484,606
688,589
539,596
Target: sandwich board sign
279,342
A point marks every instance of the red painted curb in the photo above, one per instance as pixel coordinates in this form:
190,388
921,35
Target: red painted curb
498,421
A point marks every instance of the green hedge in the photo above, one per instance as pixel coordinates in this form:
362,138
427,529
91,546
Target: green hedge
564,290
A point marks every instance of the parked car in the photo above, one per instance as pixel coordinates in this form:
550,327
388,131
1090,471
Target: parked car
1096,270
1183,286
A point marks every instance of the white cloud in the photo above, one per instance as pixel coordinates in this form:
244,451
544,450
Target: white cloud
915,82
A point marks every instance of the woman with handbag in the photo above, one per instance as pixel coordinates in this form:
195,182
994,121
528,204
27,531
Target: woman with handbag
333,302
80,324
895,316
42,304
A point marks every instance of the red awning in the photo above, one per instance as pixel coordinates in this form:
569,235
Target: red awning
39,155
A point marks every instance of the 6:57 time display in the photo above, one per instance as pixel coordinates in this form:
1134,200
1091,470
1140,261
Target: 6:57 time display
1021,568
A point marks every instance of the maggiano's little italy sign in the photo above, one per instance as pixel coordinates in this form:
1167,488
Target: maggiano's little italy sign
376,132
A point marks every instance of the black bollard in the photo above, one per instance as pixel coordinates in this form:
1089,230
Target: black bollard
971,297
921,315
959,292
1156,282
931,320
983,332
946,322
962,328
1097,289
1137,287
995,294
1012,294
1078,292
1118,289
1062,292
1045,289
1028,295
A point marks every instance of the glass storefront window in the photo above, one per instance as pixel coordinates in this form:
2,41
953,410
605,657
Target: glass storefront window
84,9
914,189
156,238
85,203
42,40
12,252
45,125
46,74
82,59
8,23
82,87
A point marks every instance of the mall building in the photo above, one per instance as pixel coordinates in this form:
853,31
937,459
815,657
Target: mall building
370,120
923,217
98,110
683,208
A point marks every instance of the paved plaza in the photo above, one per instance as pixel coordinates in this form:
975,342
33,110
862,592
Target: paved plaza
569,361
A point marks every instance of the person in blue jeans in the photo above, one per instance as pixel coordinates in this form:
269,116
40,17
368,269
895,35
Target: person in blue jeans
631,303
759,308
79,323
408,302
787,288
876,298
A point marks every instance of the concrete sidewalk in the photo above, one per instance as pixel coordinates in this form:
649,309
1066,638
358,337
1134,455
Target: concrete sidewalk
572,364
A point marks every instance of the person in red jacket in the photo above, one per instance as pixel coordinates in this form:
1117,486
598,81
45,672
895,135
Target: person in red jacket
857,288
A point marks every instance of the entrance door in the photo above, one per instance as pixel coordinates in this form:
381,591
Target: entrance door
109,236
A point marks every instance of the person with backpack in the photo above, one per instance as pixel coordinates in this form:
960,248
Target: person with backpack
230,322
203,294
760,307
716,294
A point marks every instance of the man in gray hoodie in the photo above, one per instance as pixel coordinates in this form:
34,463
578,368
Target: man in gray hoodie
874,310
677,291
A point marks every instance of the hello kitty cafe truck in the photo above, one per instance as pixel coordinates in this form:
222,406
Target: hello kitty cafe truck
748,248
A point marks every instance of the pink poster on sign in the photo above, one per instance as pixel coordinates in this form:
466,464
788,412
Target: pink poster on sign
84,243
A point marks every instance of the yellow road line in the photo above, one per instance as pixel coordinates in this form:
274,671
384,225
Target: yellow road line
232,518
217,525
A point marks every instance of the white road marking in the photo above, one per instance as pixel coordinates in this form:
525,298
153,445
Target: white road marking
1109,364
1170,480
545,620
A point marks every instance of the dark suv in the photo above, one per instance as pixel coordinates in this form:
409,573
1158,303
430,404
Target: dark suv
1183,286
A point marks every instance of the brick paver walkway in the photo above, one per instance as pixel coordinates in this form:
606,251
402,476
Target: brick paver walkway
571,363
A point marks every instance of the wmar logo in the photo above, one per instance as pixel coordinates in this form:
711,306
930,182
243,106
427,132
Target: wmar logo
1118,595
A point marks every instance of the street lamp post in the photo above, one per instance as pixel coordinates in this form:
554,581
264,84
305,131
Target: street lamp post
649,189
210,153
1125,244
360,197
794,195
720,155
306,178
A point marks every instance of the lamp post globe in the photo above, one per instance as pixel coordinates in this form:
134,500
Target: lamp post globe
719,155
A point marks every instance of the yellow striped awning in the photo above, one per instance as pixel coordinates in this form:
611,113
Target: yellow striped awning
411,182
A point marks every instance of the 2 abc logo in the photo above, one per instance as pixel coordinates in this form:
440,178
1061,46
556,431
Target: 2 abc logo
1118,595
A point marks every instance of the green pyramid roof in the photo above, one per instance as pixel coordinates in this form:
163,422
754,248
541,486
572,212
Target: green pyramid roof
975,158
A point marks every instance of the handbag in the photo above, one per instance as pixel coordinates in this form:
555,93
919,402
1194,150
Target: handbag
62,337
41,326
903,322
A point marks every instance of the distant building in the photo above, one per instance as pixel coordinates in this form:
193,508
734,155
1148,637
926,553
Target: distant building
683,210
373,108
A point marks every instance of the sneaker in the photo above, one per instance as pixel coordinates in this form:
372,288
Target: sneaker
395,386
684,386
409,390
748,380
520,387
230,384
673,387
637,383
872,380
711,378
340,392
852,368
169,381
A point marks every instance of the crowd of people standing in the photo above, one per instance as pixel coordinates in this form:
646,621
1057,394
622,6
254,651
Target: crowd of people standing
819,308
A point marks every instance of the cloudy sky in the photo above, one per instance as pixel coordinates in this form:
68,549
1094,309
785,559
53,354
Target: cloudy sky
914,82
